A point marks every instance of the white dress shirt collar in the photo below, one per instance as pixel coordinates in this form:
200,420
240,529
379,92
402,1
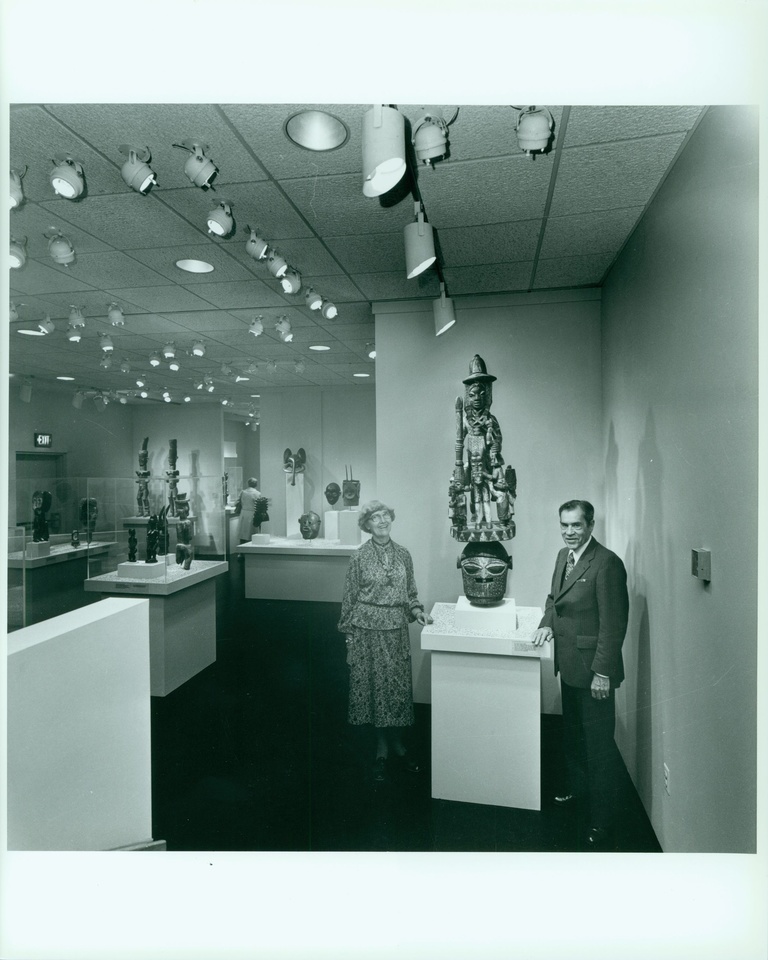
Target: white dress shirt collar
577,553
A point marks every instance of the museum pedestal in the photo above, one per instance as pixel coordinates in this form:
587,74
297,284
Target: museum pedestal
79,738
486,707
288,569
182,619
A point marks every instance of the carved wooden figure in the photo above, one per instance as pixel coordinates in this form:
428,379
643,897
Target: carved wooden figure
142,494
41,504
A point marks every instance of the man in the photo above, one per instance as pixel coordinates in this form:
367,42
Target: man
245,508
586,615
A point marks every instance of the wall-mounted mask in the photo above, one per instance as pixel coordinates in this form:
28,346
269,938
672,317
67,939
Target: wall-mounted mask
309,524
332,493
484,568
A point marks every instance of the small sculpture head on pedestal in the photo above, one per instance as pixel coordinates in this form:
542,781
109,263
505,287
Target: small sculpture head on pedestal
484,567
75,539
350,490
332,493
309,524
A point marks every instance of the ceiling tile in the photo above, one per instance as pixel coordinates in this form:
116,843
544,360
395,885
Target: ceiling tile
39,278
114,269
395,286
595,124
163,299
492,243
205,321
239,294
496,278
163,260
369,254
333,206
572,271
338,288
33,221
589,232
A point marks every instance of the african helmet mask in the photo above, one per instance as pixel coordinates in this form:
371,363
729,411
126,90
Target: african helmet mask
484,568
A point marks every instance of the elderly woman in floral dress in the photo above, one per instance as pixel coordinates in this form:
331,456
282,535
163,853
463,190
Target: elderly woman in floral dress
380,600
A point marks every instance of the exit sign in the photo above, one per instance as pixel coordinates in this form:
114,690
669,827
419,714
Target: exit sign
43,440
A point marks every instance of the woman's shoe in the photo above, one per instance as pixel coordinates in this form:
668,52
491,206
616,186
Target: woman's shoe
380,770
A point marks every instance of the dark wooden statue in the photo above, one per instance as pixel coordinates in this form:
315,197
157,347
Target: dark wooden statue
89,511
142,494
173,478
153,535
131,544
41,504
184,548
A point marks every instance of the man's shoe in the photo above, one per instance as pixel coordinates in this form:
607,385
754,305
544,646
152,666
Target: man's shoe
598,839
380,770
565,800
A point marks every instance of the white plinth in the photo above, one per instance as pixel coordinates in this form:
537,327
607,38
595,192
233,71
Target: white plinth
502,617
141,570
260,538
36,550
486,707
294,504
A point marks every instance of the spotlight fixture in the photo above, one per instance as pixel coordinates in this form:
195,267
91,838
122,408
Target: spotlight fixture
276,264
209,385
316,130
167,398
46,325
187,398
239,378
18,253
370,349
198,168
328,310
283,327
220,220
419,244
13,313
443,312
106,342
534,129
166,394
255,426
17,193
313,300
77,399
155,359
257,326
115,315
198,348
136,170
67,177
429,135
291,281
169,351
73,332
100,401
272,366
125,367
143,394
299,366
122,398
226,370
255,246
141,382
106,362
383,149
174,365
60,247
224,402
76,318
25,391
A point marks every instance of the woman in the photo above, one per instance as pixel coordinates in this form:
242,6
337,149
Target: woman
380,600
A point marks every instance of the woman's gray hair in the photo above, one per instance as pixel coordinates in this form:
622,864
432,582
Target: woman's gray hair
368,509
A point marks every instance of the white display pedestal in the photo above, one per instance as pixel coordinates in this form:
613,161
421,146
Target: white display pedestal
486,710
182,619
342,525
35,551
141,570
286,569
294,504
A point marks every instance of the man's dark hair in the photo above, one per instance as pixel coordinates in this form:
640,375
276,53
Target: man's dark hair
584,505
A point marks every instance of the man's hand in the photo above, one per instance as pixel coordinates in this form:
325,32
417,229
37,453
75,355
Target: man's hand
542,635
601,687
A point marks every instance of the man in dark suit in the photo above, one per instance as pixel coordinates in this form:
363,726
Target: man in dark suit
586,615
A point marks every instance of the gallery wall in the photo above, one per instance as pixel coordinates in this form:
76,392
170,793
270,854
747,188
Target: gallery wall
335,426
544,350
680,462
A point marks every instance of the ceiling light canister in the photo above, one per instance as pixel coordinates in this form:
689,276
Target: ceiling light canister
106,342
383,149
313,300
257,326
67,177
136,170
283,327
534,129
46,325
443,311
73,333
198,168
17,192
276,264
430,138
329,310
60,247
419,244
25,391
77,399
18,253
106,362
255,246
115,315
291,281
370,349
155,359
220,220
169,351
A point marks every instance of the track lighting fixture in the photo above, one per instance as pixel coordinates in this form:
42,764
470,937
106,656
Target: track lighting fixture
328,310
257,326
60,247
13,313
76,318
198,168
169,351
106,362
100,401
220,220
272,366
106,342
534,129
276,264
18,253
167,397
313,300
25,391
143,394
198,348
17,193
419,244
115,315
122,398
174,365
291,281
255,426
283,327
125,367
46,325
67,177
73,332
209,385
77,400
255,246
370,349
136,170
187,398
140,382
429,135
226,370
442,309
299,366
224,402
155,359
383,149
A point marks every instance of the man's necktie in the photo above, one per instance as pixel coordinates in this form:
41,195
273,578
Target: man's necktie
569,565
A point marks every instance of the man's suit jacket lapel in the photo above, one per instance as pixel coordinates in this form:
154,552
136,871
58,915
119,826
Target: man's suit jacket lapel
578,571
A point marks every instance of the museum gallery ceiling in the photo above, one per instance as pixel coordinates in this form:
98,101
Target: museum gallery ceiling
503,221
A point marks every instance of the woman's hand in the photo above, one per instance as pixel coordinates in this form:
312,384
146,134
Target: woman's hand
423,619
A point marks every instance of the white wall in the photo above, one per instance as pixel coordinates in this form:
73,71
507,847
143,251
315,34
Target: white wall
680,461
335,426
545,352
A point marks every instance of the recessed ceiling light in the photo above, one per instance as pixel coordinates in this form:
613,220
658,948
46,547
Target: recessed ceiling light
361,374
319,346
194,266
316,130
65,378
32,333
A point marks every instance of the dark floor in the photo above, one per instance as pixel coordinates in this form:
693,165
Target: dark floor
255,753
